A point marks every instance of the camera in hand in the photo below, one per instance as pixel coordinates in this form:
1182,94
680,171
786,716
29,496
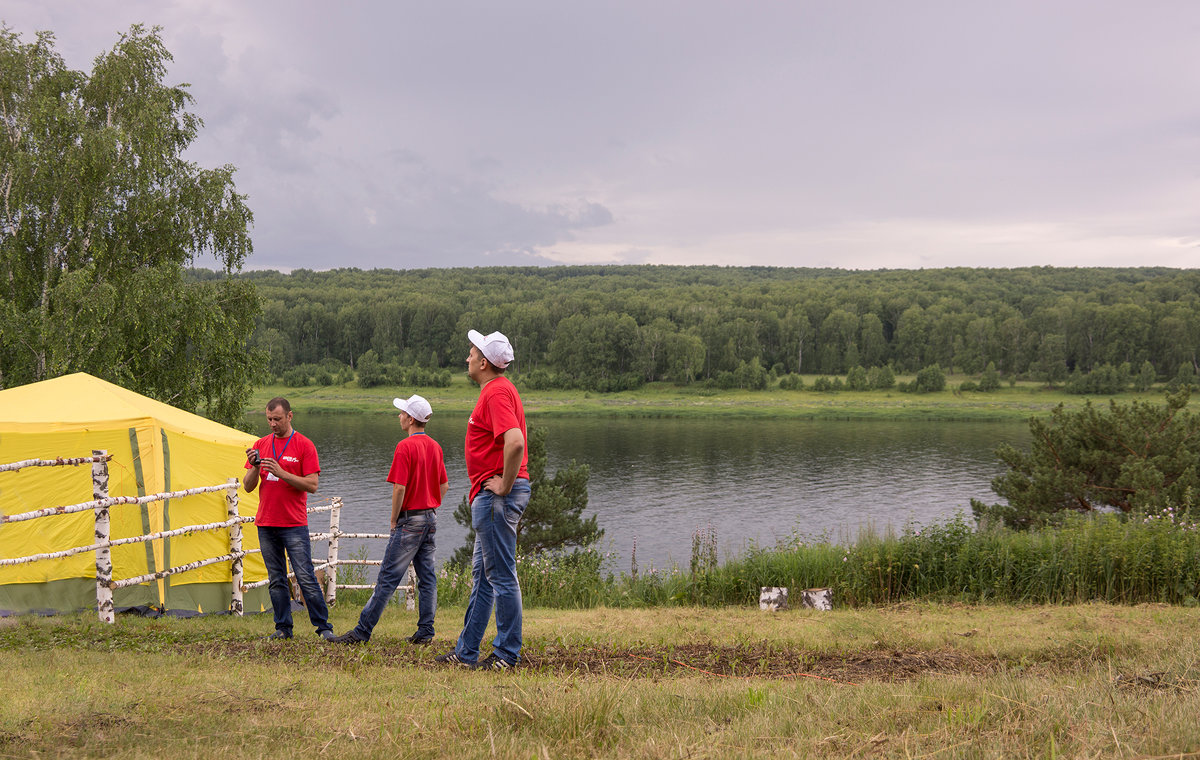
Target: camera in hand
253,458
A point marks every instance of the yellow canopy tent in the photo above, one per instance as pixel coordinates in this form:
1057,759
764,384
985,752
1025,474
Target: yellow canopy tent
155,448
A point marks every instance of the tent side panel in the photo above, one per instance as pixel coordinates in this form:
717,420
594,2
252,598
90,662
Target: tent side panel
194,463
190,463
40,487
210,598
68,595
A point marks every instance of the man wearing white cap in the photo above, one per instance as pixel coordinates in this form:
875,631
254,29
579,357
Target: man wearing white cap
496,466
418,478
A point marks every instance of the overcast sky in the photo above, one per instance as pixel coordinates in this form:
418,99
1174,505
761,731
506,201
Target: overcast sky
791,133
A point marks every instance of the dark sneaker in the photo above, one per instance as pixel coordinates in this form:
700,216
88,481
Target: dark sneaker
278,636
327,634
420,638
349,637
492,663
451,658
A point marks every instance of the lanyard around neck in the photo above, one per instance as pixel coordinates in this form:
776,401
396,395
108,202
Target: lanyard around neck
285,445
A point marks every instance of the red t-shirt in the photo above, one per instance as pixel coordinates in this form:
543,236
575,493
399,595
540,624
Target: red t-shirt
280,505
497,411
418,466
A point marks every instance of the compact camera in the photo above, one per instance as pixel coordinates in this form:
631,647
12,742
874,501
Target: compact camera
253,458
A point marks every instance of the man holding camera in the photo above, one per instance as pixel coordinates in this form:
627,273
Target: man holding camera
285,463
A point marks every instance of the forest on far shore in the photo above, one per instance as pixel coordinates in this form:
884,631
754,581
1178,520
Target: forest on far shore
615,327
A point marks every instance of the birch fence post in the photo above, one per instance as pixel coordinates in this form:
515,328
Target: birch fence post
335,519
104,568
235,548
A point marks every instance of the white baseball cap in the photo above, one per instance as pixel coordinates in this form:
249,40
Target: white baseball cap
414,406
495,347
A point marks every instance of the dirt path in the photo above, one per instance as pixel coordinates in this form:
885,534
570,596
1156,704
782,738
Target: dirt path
763,660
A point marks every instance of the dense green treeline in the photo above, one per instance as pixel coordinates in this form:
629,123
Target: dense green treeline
613,327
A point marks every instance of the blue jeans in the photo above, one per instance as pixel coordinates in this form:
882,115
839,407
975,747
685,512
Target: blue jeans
411,542
274,542
494,574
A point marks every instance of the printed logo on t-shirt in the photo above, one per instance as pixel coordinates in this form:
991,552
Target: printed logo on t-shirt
289,459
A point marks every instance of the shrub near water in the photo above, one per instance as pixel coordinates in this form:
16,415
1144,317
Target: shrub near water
548,579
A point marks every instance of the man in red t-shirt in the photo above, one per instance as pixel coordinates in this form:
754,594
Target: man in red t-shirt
496,466
285,463
418,478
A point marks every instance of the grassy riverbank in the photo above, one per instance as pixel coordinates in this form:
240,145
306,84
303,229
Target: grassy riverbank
666,400
1152,558
912,680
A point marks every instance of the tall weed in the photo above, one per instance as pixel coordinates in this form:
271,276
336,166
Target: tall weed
1124,559
1107,557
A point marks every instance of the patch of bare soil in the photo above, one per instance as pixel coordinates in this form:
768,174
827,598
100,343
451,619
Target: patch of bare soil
1157,680
763,660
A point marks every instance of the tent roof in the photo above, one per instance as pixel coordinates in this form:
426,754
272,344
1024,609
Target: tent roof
83,402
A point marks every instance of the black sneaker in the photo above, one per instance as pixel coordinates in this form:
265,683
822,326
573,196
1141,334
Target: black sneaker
327,634
349,637
278,636
451,658
492,663
420,638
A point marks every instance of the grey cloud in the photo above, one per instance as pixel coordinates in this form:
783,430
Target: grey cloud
420,218
917,134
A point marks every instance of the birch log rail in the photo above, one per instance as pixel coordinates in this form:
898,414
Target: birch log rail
102,547
99,506
59,462
333,561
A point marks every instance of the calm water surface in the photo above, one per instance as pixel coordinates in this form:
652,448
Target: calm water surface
657,481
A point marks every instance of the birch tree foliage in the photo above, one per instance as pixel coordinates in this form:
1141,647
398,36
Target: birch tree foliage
100,215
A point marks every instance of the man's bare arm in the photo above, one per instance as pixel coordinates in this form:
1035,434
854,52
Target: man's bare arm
514,450
397,502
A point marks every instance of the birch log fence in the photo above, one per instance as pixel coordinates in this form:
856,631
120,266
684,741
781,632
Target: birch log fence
102,502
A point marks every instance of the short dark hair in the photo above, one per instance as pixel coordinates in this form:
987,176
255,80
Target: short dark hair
279,401
497,370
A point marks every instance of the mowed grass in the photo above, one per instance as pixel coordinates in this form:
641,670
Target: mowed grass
910,680
1017,402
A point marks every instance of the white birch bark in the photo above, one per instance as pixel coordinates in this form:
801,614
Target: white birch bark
104,597
122,541
817,598
235,548
173,570
59,462
773,598
111,501
335,516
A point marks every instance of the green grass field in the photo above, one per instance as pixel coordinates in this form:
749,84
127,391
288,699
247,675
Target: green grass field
914,679
909,680
667,400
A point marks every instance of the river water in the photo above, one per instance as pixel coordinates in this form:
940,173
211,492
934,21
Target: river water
657,481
